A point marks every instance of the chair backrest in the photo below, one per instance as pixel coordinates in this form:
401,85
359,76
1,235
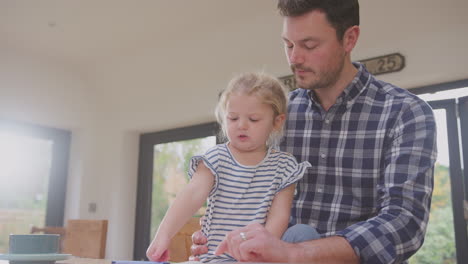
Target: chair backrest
48,230
182,241
86,238
59,230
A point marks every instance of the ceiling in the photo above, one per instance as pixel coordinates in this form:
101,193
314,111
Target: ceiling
89,32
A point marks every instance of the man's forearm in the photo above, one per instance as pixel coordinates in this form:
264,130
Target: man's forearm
326,250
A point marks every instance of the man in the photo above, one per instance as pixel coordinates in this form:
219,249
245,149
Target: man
371,145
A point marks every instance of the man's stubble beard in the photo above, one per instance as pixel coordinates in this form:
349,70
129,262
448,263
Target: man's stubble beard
326,79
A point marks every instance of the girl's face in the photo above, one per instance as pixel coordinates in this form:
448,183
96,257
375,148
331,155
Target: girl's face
249,122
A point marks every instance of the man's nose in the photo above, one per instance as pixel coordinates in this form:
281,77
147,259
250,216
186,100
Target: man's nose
295,56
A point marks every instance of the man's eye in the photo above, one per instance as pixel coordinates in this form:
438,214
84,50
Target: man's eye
288,45
311,47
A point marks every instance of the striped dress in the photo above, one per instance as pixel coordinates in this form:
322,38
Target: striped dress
242,194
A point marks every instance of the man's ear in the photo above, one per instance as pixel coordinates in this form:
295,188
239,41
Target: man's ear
350,38
279,121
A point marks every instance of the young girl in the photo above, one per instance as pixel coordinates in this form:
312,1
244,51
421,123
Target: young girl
245,179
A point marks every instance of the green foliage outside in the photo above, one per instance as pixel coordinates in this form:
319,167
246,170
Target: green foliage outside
439,244
170,158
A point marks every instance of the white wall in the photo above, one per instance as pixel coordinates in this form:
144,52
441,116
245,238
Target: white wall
173,84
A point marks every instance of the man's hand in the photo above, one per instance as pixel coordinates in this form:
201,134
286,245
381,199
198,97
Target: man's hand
255,244
198,245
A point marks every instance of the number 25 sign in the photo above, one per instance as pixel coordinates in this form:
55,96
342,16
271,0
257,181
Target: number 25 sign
385,64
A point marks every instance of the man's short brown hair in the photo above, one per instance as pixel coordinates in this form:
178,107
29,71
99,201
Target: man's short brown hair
341,14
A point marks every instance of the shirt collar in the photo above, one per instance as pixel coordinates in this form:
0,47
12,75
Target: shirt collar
354,88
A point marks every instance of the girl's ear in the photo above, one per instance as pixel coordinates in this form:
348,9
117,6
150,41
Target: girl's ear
279,121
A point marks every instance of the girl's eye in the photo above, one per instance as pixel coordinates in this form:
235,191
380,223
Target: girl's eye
253,120
232,118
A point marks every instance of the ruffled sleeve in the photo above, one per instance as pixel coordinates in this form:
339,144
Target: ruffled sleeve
210,159
290,171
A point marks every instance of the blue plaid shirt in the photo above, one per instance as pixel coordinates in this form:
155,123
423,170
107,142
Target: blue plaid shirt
372,156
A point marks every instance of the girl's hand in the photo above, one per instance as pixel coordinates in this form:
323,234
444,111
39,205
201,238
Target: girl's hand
158,250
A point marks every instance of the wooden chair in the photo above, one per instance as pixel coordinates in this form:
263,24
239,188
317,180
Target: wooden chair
182,241
86,238
58,230
81,238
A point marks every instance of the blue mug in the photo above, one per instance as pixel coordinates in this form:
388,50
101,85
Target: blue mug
34,244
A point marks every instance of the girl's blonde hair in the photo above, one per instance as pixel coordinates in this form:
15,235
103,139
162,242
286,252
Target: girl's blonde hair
267,88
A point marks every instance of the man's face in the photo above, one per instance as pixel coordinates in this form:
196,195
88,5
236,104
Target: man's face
314,53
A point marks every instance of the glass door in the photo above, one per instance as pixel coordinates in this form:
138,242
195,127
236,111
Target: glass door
32,178
24,175
162,172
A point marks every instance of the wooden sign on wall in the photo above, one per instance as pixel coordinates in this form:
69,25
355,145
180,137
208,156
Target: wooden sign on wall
378,65
385,64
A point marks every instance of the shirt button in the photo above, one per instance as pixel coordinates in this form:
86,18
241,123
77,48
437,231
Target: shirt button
327,121
319,190
323,155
